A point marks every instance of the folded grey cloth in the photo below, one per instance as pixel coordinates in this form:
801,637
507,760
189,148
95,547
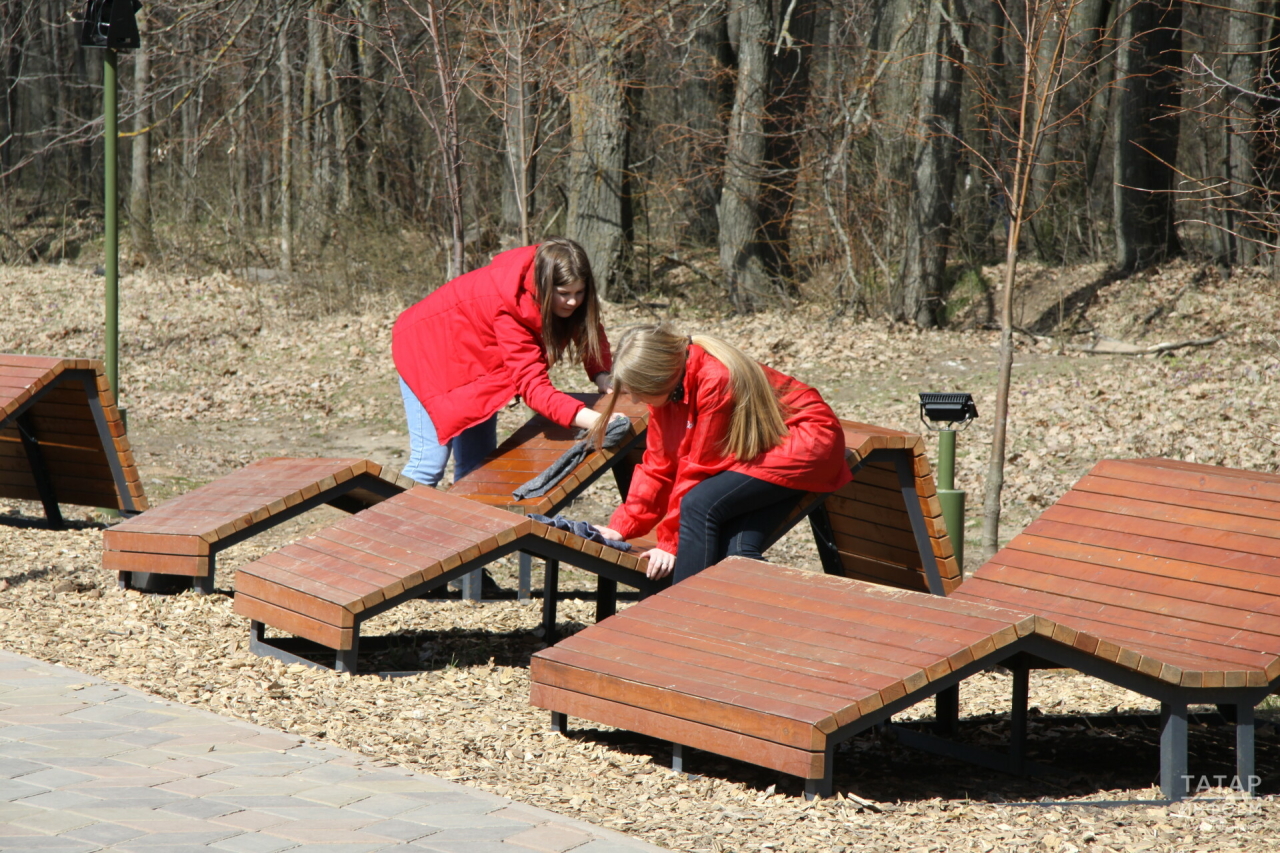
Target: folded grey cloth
581,528
558,470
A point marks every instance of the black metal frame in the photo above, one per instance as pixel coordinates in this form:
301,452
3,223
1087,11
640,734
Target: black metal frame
22,417
339,497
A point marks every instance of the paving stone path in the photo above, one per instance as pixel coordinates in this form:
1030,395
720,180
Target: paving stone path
87,766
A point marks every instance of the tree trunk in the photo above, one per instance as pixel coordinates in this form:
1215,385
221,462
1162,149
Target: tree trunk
704,99
933,180
600,213
738,213
140,232
1243,51
520,126
1146,133
286,150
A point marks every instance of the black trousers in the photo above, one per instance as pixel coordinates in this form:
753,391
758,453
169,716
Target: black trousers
729,515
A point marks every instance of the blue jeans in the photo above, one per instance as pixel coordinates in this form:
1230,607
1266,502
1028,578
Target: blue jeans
427,456
729,515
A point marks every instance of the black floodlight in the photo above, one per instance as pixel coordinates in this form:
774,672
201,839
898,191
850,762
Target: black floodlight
110,23
946,408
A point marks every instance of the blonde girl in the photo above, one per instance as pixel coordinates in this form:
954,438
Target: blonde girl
732,448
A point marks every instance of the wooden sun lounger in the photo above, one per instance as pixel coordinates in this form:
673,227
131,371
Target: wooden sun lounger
182,536
62,439
770,665
526,453
1163,577
323,587
1159,576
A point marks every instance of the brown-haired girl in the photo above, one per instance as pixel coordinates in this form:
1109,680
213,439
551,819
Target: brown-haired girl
732,448
490,335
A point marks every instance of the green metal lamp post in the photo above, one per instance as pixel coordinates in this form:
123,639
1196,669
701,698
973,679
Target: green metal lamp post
110,26
949,409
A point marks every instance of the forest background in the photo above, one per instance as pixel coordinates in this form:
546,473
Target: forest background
879,157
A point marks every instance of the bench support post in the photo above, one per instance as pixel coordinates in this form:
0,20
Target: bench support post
345,659
1173,750
606,597
947,710
825,538
559,723
550,592
1018,719
472,582
39,472
902,463
821,787
677,757
524,587
1244,748
203,585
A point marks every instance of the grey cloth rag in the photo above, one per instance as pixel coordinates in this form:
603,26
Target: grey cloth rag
558,470
581,528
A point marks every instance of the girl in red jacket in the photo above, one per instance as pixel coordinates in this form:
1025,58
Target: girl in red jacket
732,448
490,335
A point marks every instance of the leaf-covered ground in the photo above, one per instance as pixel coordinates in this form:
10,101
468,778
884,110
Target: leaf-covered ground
217,372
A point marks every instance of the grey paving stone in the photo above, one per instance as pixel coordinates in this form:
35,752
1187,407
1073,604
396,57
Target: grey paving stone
133,797
52,777
48,844
401,830
136,846
358,847
14,767
145,738
312,812
431,846
200,807
611,845
103,833
81,761
11,748
385,806
328,773
165,841
14,789
462,821
451,803
61,800
254,842
475,833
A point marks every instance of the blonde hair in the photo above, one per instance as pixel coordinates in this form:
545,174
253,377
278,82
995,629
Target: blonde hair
559,262
650,360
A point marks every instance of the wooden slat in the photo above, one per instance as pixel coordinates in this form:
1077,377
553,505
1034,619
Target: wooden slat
295,623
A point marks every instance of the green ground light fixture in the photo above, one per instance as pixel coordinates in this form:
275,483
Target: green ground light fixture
951,410
111,26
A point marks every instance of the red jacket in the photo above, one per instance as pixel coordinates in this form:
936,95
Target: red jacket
476,342
683,448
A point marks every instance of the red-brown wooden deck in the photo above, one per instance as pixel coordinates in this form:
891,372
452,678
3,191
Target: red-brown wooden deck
75,450
770,665
181,536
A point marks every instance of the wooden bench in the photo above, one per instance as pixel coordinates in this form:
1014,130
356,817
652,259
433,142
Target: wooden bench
1159,576
770,665
526,453
62,439
182,536
324,586
1164,578
886,526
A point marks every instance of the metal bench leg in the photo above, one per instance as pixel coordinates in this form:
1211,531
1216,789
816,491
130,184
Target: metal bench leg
822,787
550,593
606,597
39,472
1018,720
946,711
345,660
471,584
559,722
1173,750
124,580
677,757
204,585
525,588
1245,770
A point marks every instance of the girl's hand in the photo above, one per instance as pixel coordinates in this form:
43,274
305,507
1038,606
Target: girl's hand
608,533
604,382
660,563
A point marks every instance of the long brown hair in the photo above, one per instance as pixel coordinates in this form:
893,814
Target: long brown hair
559,262
650,360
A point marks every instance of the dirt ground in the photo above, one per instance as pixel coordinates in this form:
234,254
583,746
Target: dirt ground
217,372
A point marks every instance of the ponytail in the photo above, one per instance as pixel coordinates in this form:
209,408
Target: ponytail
757,423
